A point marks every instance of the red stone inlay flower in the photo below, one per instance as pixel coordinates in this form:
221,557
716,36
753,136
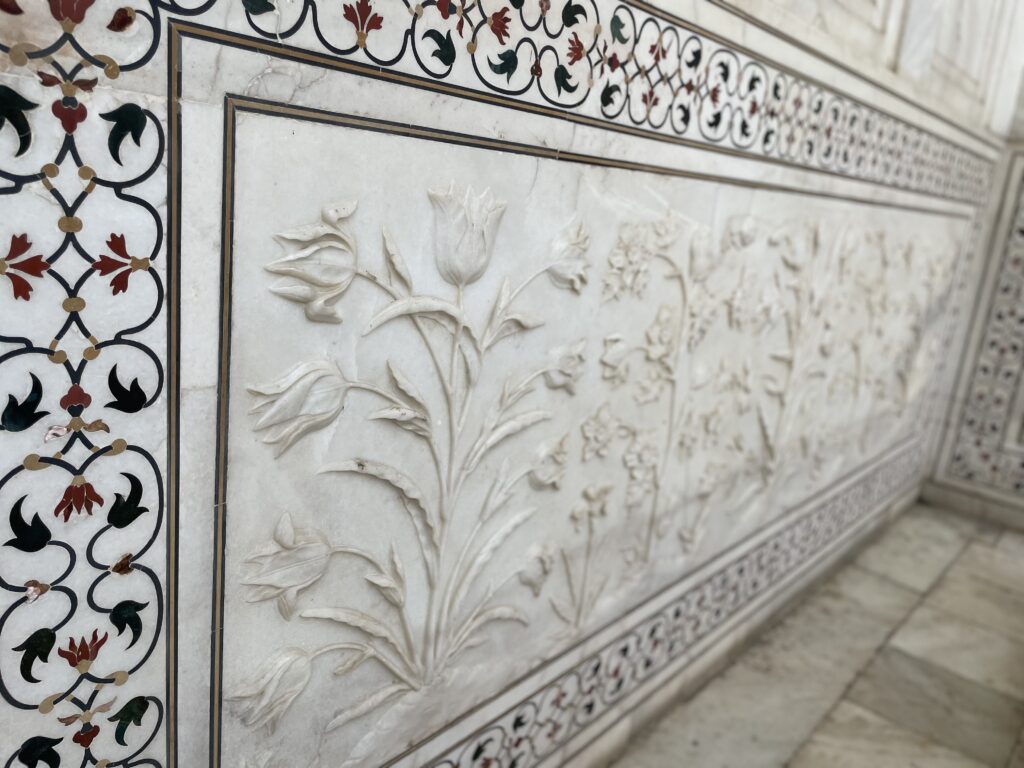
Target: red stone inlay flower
71,115
34,266
11,7
75,396
78,496
122,270
70,10
84,654
575,48
499,24
362,17
85,736
122,19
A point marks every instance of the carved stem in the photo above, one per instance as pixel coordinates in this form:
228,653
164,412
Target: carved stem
652,524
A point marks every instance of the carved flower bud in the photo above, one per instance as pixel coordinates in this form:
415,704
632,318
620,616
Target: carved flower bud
464,228
297,559
320,264
308,397
278,682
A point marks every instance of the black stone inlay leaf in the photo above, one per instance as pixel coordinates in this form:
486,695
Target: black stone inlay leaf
124,511
130,399
37,647
130,714
17,417
125,615
128,120
28,537
13,107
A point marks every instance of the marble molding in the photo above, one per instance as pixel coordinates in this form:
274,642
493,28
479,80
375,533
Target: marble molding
381,344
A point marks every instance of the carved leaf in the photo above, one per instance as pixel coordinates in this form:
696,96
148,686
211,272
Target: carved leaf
404,385
503,431
397,480
406,418
388,588
366,705
361,621
487,552
396,264
441,311
503,322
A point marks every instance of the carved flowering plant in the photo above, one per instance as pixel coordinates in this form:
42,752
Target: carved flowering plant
413,645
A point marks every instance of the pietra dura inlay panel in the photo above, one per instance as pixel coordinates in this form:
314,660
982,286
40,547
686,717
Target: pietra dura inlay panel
456,372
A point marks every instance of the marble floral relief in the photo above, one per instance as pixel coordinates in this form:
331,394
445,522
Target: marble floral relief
734,389
413,645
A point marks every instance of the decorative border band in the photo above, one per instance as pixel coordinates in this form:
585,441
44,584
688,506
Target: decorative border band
637,67
980,453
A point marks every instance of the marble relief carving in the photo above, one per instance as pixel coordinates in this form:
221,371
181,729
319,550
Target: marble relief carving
87,663
740,370
458,432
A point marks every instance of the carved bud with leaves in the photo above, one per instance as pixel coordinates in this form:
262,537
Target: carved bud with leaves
465,224
277,683
320,264
309,397
296,559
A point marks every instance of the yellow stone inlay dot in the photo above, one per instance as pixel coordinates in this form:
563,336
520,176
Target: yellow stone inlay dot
69,224
73,304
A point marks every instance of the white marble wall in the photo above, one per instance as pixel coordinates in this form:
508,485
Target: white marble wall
422,384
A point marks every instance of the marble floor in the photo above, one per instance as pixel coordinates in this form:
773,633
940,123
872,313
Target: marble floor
912,656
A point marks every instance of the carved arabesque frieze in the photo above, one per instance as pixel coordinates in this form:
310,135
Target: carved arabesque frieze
738,373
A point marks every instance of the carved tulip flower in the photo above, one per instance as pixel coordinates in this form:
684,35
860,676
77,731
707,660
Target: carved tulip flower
307,398
569,270
320,264
297,559
278,682
566,367
465,224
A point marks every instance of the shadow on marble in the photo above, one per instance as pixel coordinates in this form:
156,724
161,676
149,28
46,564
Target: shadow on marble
986,587
853,737
915,550
941,705
759,711
977,653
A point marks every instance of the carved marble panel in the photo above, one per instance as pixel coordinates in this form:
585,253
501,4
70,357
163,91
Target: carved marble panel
477,413
410,384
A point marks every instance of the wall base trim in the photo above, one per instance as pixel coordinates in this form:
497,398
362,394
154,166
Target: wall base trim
976,503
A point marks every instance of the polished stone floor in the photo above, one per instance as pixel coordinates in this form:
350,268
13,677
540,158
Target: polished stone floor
912,656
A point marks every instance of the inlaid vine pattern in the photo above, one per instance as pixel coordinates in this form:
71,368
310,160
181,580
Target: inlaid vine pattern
633,68
81,360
